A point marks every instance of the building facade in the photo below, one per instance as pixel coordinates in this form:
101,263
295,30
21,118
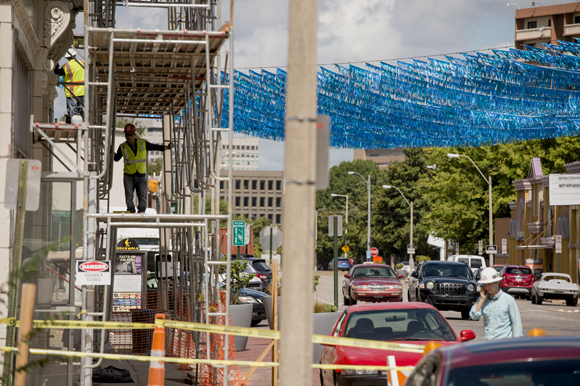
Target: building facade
548,24
383,157
535,223
257,194
244,153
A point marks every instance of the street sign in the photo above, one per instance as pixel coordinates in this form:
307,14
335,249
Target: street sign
521,234
480,247
93,272
374,251
331,226
345,249
456,248
504,246
247,238
239,233
410,249
558,243
491,249
277,237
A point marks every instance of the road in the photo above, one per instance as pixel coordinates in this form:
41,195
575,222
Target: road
553,317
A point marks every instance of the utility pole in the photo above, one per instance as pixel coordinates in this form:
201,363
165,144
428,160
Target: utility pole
300,173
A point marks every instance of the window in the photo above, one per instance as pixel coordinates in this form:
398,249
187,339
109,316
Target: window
254,201
256,147
278,202
576,19
270,185
254,185
246,201
270,201
549,22
532,24
221,184
278,185
237,147
262,184
262,202
246,184
237,201
270,217
243,147
532,45
238,184
253,148
278,219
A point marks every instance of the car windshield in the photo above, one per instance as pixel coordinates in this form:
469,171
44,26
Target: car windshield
369,272
401,324
498,268
261,266
448,270
552,277
342,260
525,373
518,271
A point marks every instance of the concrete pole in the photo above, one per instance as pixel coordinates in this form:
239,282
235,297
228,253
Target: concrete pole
411,264
300,172
346,229
490,223
369,215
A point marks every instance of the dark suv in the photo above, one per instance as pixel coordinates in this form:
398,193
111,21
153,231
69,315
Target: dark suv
263,271
447,285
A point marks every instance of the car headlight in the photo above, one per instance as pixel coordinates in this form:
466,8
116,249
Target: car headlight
470,287
394,286
360,287
360,372
247,299
430,285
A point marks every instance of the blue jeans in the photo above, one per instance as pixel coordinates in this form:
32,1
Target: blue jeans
138,183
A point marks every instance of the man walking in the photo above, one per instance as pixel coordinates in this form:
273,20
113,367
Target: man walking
134,153
73,73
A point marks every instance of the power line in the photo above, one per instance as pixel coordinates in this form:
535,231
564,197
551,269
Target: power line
383,60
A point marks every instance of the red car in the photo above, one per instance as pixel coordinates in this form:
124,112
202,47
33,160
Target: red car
539,361
415,323
517,280
371,283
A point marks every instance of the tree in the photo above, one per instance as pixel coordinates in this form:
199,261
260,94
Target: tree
155,167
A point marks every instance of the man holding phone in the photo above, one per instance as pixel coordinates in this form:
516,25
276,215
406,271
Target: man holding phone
501,316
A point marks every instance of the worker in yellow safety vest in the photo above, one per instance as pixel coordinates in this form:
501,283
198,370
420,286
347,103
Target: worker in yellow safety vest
73,73
134,153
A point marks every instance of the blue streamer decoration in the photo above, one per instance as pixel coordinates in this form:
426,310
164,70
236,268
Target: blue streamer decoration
478,99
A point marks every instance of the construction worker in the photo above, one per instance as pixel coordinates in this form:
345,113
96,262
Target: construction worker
73,72
134,153
501,316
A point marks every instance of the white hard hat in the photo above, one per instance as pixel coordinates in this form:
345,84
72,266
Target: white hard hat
71,53
489,275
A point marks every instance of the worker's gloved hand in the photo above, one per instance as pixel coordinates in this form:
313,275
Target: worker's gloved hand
168,147
56,68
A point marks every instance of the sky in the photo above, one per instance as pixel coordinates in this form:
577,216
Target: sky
354,32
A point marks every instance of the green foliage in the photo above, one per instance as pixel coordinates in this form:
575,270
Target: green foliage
154,168
321,307
316,282
238,278
421,258
400,266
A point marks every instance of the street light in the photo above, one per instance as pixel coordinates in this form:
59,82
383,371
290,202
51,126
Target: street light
411,233
346,228
368,210
508,4
488,180
432,167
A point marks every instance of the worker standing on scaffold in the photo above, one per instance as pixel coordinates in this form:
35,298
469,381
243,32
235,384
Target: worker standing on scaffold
73,72
134,153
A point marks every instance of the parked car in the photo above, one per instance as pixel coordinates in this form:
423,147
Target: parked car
256,299
555,286
517,280
343,264
538,361
259,267
418,323
474,262
498,267
371,283
448,285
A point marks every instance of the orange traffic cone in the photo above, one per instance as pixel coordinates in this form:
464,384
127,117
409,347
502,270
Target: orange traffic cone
157,369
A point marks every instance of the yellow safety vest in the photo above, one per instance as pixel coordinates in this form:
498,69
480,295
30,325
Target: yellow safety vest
74,72
135,163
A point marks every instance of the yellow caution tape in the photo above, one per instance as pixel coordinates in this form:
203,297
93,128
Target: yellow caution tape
215,362
217,329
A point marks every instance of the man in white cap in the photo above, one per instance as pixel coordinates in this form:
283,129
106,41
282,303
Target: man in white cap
73,73
501,316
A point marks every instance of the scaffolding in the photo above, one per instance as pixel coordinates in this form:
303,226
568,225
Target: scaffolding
179,75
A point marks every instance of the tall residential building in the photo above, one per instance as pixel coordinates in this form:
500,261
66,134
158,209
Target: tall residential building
547,24
244,153
257,194
383,157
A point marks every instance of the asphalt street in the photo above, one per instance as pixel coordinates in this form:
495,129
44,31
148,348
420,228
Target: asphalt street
554,317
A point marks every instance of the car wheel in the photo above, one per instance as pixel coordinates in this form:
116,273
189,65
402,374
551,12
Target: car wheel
538,299
464,314
408,296
572,301
345,300
352,300
534,301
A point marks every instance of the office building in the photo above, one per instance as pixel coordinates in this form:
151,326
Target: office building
244,153
383,157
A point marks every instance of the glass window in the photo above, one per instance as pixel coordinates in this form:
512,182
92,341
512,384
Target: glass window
246,200
270,217
262,202
238,184
221,184
576,19
237,201
278,218
262,184
254,184
246,184
549,22
252,147
270,185
278,202
532,24
243,147
254,201
278,185
519,271
270,201
237,147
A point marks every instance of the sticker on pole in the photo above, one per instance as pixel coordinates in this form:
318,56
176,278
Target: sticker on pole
93,272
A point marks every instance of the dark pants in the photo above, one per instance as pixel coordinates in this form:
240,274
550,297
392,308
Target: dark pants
73,107
135,183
